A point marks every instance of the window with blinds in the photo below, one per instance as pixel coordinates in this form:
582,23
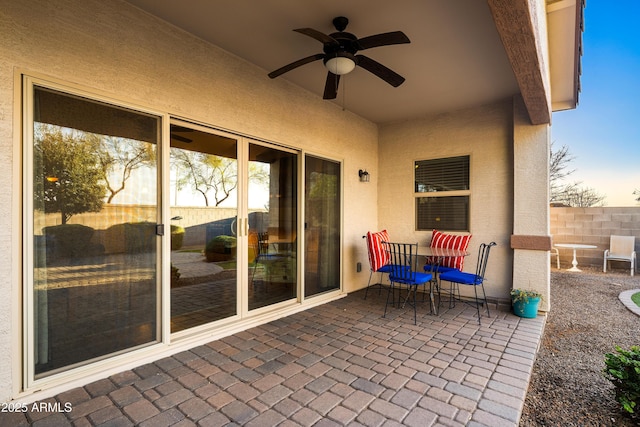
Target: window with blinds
442,194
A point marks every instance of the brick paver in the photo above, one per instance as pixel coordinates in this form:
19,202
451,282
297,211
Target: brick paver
337,364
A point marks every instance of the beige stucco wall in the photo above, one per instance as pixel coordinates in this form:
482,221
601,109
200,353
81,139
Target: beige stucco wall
120,52
484,133
531,208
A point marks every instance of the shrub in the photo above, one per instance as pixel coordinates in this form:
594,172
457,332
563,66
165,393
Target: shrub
131,237
140,237
177,237
623,370
220,248
175,275
69,240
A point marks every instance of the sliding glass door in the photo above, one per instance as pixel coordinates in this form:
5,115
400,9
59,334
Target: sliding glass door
97,185
92,202
273,225
204,226
322,225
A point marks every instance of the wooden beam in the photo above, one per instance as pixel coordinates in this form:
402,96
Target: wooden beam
517,30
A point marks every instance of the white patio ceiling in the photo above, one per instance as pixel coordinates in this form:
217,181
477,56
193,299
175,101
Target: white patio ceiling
455,60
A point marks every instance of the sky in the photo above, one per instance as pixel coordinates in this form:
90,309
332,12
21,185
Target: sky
603,132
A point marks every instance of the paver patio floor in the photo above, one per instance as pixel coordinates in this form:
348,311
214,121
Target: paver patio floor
341,363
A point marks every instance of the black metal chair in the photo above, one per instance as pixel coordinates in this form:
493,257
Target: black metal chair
260,244
402,265
461,278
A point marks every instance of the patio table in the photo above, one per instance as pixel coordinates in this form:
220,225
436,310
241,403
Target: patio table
439,254
575,246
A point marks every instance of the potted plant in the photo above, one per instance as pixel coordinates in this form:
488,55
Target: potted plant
525,302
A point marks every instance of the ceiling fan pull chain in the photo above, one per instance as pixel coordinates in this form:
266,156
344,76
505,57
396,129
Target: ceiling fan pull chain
344,91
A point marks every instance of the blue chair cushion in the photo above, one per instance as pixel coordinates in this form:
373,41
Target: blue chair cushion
385,269
461,277
389,268
438,269
418,279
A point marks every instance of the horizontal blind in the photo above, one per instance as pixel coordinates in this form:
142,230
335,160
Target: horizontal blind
442,213
448,174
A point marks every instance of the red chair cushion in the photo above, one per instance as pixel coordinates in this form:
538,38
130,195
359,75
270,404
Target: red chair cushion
451,241
378,256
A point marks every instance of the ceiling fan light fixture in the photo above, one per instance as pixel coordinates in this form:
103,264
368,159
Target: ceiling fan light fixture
341,64
340,55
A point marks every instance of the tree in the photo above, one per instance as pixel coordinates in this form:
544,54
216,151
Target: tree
206,174
572,194
67,174
558,162
209,174
637,193
581,197
119,157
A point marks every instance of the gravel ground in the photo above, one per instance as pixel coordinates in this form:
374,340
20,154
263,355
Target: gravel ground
586,321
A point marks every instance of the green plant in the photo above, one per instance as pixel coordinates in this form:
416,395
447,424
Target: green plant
139,237
636,298
177,237
524,295
69,240
220,248
623,370
131,237
175,275
67,176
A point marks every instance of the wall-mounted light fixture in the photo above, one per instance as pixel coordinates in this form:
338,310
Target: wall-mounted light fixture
364,175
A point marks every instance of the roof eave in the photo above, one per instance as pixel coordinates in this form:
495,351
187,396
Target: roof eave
543,41
565,22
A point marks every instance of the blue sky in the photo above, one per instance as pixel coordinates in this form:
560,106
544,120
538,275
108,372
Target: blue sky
603,133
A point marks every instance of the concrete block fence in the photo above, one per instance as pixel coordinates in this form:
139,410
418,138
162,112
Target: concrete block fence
593,226
193,219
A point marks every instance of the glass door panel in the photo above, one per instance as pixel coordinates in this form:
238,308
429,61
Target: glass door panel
204,212
322,226
272,243
94,208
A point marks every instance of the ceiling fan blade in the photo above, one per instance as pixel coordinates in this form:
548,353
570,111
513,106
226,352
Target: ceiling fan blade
331,86
295,64
321,37
374,67
181,138
384,39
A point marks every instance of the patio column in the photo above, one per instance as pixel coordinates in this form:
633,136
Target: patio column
531,239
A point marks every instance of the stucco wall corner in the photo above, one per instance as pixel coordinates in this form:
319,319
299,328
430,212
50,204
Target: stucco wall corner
7,215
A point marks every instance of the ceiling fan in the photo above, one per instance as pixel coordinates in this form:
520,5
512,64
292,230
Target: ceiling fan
340,57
